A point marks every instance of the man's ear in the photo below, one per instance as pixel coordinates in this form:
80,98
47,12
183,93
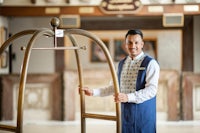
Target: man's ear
142,44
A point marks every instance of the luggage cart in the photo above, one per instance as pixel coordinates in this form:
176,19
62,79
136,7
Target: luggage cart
23,74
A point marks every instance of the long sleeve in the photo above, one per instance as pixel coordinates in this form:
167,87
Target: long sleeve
108,90
151,86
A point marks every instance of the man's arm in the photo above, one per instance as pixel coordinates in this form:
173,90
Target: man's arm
109,90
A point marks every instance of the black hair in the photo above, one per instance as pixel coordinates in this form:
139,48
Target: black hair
134,32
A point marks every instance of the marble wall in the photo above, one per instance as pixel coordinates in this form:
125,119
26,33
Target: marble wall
42,97
168,96
190,96
177,97
168,102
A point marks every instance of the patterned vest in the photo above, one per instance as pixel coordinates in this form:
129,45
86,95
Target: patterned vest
138,118
129,75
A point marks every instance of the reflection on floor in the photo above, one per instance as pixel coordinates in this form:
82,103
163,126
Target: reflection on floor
101,126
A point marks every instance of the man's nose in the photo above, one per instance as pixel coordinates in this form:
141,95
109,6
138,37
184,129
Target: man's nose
132,45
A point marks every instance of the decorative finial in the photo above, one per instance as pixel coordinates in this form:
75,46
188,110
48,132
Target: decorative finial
55,22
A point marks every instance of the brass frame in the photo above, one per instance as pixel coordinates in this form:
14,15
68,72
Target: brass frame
23,74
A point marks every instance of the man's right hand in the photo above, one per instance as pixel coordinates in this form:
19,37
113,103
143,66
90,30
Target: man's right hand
86,90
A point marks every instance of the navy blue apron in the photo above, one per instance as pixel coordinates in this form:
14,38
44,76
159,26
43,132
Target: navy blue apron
138,118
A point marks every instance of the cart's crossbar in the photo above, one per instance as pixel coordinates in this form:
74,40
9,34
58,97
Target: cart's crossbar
99,116
8,128
57,48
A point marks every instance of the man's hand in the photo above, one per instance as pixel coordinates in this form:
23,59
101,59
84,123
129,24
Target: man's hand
121,97
86,90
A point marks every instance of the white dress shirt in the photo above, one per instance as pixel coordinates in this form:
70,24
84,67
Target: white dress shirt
151,86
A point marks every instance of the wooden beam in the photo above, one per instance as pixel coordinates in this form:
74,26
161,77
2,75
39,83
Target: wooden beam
91,10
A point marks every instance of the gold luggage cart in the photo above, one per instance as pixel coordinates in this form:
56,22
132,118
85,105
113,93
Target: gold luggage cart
23,74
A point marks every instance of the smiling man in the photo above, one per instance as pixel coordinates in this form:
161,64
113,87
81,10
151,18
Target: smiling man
138,76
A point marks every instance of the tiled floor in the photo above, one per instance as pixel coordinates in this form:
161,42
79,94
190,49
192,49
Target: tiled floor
100,126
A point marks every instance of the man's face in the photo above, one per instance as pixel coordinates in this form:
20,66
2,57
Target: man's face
134,45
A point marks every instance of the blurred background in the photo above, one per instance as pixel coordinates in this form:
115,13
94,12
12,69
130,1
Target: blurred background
171,31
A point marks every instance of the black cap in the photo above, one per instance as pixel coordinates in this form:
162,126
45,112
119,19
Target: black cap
134,32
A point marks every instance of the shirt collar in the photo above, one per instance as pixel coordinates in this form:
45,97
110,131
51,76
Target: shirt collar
137,57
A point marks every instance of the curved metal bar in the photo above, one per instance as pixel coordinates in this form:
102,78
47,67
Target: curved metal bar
5,45
23,76
14,37
112,68
82,97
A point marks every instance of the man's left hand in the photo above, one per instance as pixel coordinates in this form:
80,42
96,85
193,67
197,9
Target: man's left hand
121,97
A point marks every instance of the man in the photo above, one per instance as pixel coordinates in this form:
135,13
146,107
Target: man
138,76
